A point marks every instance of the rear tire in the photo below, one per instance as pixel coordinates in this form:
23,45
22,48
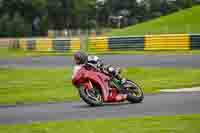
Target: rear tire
135,94
90,98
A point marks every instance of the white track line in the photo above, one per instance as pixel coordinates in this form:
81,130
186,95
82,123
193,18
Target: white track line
194,89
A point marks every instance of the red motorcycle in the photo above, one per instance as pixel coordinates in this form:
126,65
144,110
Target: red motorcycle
96,88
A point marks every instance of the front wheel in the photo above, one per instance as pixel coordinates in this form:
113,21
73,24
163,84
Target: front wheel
91,96
135,93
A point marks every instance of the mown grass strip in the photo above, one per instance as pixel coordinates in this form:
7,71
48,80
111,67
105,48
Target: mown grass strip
17,53
38,85
158,124
13,53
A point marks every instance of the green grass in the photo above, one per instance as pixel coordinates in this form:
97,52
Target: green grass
155,79
35,85
12,53
54,85
17,53
134,52
161,124
185,21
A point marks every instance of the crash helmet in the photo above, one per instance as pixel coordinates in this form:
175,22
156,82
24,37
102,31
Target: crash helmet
80,57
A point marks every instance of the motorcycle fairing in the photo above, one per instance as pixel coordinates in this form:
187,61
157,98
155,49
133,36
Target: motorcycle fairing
100,79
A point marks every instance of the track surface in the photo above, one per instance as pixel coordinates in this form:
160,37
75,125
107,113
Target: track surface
159,104
118,60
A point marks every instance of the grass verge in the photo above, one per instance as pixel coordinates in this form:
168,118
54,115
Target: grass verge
17,53
134,52
11,53
161,124
54,85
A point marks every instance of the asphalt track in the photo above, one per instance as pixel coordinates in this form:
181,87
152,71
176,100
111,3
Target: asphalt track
192,61
159,104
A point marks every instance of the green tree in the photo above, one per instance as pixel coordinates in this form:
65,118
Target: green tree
184,3
3,20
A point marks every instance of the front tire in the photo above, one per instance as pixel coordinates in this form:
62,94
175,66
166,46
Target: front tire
92,96
135,93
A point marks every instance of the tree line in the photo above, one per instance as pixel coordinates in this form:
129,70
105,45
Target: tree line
21,18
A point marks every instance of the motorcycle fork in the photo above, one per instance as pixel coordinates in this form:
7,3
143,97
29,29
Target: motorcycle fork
118,86
88,85
116,83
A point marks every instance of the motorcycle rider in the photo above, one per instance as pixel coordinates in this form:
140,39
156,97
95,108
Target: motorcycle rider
81,58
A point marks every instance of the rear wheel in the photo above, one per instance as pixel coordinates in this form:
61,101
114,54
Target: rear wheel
92,96
135,93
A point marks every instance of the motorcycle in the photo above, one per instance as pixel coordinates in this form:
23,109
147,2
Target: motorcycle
97,88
